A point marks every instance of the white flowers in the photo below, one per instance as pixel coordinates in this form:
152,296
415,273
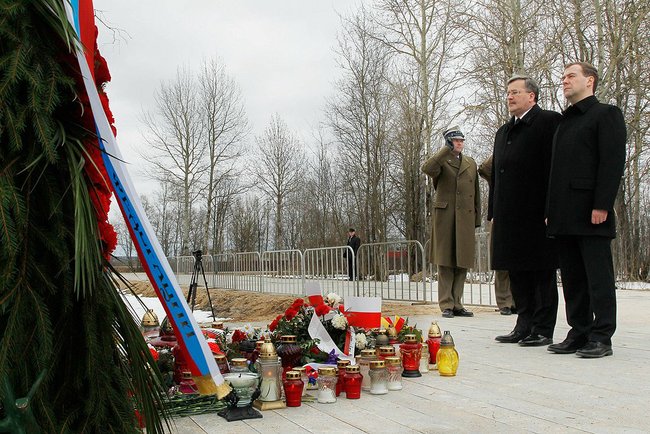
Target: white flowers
339,322
333,299
360,341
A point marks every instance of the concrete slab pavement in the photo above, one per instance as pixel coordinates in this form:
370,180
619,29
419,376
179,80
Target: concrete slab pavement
499,388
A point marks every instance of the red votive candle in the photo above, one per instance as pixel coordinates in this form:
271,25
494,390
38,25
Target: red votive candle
340,384
353,382
293,389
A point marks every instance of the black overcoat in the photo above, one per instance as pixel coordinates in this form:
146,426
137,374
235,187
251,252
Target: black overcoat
588,162
520,171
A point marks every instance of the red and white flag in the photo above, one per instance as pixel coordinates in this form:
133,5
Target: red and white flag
364,312
314,294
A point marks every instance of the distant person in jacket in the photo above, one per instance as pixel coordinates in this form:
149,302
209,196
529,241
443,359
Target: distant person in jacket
456,212
354,242
588,163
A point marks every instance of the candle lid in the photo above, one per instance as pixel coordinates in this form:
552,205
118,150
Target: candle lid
293,375
267,350
392,332
220,357
447,340
217,325
150,319
369,352
377,364
387,350
434,330
381,332
327,371
289,339
300,369
393,361
239,362
186,375
342,363
352,368
410,339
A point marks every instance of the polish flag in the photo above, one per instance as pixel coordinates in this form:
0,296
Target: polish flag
314,294
364,312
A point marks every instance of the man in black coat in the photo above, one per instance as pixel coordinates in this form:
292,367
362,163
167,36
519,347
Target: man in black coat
520,170
354,242
588,163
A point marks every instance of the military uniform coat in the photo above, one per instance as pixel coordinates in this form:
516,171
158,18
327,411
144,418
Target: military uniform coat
588,162
521,164
456,208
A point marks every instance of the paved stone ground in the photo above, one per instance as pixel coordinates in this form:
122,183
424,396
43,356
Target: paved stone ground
499,388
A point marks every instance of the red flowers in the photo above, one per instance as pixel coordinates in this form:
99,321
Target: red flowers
238,336
290,313
274,323
322,309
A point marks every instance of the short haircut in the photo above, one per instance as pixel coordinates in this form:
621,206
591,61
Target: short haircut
351,230
588,70
530,84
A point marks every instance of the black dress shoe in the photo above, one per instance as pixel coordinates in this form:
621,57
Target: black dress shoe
535,340
595,350
505,311
463,312
448,313
567,346
511,338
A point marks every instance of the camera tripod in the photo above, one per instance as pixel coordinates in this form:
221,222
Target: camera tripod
194,284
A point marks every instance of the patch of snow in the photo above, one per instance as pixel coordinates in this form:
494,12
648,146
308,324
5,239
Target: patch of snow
201,316
399,278
640,286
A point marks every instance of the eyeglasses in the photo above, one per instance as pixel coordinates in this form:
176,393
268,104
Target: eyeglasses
516,92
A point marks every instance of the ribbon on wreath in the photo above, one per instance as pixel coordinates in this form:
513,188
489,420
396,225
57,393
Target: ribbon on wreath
193,346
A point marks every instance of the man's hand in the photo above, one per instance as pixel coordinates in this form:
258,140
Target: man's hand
598,216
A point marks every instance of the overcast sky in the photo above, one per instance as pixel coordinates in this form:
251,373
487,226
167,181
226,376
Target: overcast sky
279,52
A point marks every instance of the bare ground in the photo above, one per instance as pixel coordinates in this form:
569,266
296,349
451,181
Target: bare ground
259,307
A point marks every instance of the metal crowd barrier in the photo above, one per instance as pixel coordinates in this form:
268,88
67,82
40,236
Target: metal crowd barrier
283,271
397,270
393,270
479,284
330,267
248,271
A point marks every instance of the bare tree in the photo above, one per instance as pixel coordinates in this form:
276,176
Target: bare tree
225,127
278,169
176,143
359,115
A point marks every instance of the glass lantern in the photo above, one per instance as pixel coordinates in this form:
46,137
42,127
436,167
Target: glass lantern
447,357
424,359
289,352
378,377
239,364
304,377
394,367
364,360
340,365
434,342
411,351
271,371
222,363
326,385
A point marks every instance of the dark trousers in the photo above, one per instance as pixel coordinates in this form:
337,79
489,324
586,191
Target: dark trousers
535,294
589,287
352,268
